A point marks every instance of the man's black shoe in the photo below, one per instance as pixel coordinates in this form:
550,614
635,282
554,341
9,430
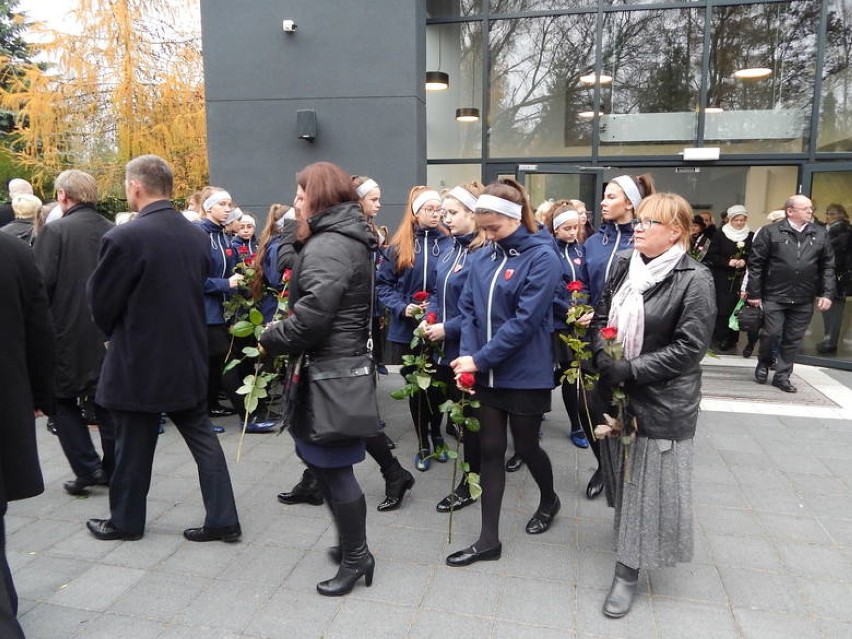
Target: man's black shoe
514,463
228,535
761,372
78,485
784,384
104,530
221,411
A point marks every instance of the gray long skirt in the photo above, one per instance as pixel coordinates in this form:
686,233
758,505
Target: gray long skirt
652,495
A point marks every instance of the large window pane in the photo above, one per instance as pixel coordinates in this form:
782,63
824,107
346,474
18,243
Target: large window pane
650,81
537,99
762,76
513,6
835,122
446,176
456,49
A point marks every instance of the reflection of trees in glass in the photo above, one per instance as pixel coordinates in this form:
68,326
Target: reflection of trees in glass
535,87
780,37
452,8
655,60
836,122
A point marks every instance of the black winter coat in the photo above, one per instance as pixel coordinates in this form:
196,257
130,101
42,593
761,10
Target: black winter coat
26,368
788,267
147,296
329,289
66,252
21,228
840,235
665,391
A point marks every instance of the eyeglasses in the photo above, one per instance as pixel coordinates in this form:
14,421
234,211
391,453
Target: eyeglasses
429,209
806,209
646,224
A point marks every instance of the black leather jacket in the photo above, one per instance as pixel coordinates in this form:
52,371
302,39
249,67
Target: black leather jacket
788,267
330,290
665,387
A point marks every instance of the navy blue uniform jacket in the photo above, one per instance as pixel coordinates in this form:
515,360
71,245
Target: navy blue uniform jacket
147,296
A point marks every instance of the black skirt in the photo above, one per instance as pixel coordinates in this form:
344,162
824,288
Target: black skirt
516,401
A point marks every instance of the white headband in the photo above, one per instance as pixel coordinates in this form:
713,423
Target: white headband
565,216
214,199
464,196
499,205
235,214
366,187
424,197
246,218
630,189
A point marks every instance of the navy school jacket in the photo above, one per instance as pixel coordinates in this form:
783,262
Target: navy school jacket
600,250
453,269
507,309
217,287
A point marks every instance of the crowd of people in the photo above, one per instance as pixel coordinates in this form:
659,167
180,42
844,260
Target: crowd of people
471,294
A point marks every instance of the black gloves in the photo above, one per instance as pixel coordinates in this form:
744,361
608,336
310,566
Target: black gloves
613,371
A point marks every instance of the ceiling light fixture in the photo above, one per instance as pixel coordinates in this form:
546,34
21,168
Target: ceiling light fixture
755,73
592,78
437,81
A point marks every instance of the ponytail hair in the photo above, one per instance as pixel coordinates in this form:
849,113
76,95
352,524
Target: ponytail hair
511,190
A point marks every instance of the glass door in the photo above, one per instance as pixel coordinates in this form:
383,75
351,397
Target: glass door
830,186
560,181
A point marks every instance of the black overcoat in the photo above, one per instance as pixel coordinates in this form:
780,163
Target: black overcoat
147,296
26,368
66,252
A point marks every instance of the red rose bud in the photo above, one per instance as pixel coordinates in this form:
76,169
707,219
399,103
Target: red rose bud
466,380
574,286
431,317
284,294
285,276
609,333
249,260
421,296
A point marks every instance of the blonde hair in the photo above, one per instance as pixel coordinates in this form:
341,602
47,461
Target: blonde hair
670,209
26,206
509,189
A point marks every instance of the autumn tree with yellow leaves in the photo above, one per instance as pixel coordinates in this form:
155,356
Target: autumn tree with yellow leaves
127,81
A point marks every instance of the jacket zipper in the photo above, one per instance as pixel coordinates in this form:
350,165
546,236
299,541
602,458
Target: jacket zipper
425,259
489,307
614,251
570,263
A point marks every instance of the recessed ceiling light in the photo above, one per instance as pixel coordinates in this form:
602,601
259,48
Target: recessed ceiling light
591,78
756,73
713,109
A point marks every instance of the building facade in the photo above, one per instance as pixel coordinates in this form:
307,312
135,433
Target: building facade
725,102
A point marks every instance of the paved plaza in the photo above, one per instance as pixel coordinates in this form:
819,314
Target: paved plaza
773,552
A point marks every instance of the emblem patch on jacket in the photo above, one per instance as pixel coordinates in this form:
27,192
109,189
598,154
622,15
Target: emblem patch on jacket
508,273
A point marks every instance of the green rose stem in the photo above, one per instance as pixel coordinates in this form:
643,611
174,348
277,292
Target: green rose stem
457,412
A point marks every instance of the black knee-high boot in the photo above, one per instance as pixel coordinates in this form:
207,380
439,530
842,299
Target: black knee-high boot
356,561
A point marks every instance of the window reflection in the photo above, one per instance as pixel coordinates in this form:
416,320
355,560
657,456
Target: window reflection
761,76
536,94
835,123
654,59
452,8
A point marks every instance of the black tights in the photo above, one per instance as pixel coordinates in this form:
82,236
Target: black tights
338,485
571,399
493,439
424,413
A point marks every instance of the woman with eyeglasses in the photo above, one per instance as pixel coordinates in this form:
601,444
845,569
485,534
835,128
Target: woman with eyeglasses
662,303
621,199
403,285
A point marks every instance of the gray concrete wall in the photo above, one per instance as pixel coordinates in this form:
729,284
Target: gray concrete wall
358,64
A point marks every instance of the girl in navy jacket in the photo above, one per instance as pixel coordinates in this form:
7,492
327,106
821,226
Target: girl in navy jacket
618,208
506,340
218,208
443,311
564,222
408,274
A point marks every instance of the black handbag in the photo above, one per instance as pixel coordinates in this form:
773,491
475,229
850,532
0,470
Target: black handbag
332,400
750,318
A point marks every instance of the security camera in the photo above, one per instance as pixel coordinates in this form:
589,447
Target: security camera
289,26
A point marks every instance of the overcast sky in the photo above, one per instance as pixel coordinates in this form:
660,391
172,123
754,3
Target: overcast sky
51,11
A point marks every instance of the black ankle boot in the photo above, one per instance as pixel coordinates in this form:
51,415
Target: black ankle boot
356,561
307,491
397,481
620,597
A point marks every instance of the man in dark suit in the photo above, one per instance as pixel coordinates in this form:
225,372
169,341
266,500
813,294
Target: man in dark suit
147,296
66,253
26,388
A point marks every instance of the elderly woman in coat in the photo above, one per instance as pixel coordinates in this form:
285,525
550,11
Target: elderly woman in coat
662,303
330,297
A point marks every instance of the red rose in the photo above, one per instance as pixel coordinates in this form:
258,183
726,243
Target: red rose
431,317
420,296
285,276
249,260
574,286
243,250
466,380
284,294
609,333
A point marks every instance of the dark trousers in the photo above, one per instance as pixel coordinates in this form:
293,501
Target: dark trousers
9,627
136,440
76,442
832,320
787,322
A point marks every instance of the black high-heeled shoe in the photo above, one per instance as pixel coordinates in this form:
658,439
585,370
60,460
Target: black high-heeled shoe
356,560
397,482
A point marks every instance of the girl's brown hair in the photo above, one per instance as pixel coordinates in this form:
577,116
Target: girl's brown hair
475,189
402,241
509,189
276,212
